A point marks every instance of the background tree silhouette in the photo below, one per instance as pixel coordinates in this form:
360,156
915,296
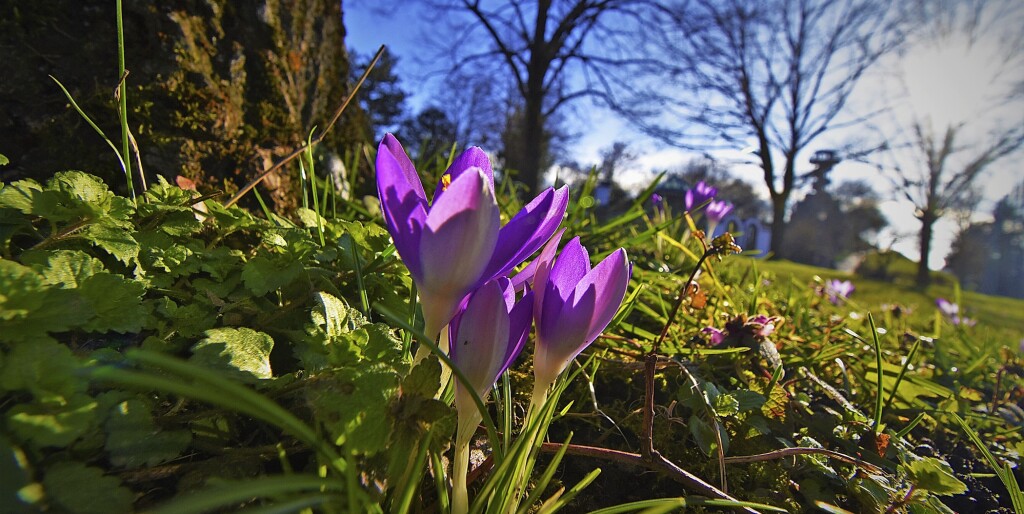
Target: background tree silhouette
554,51
770,76
937,159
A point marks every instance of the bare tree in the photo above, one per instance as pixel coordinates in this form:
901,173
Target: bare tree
939,154
768,75
555,51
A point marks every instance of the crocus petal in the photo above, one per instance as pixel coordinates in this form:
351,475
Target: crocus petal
458,240
403,207
562,337
480,339
473,157
541,270
718,210
520,321
528,230
609,278
570,267
391,147
578,304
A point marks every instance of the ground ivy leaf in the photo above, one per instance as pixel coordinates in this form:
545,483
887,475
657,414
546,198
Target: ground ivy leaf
424,379
353,404
20,195
309,218
262,275
115,240
334,315
66,268
934,475
243,351
29,309
86,490
43,367
133,439
56,422
117,302
748,400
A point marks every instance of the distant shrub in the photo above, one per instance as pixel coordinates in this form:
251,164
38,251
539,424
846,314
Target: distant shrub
895,267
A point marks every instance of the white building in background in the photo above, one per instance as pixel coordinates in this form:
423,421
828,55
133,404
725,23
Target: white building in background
751,234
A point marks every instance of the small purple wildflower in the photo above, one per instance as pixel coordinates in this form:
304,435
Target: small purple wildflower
838,290
717,336
718,210
698,195
952,311
742,330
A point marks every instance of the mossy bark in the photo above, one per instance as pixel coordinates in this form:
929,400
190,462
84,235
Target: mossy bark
218,90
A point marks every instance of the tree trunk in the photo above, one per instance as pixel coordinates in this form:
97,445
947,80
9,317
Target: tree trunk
533,146
778,224
924,277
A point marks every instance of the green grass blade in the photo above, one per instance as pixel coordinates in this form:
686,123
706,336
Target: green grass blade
877,422
117,153
231,494
903,371
1005,473
492,431
205,385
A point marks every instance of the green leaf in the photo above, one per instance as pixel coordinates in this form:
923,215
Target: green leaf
57,422
4,161
934,475
726,405
748,400
241,351
66,268
424,379
20,195
309,218
262,275
115,240
85,490
353,404
335,313
15,475
704,435
117,302
43,367
133,439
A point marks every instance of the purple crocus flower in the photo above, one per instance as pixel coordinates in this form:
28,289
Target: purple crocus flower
718,210
574,304
658,202
838,290
698,195
453,244
487,335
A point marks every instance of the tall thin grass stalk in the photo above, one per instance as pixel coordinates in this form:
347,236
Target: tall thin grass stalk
320,137
122,101
879,406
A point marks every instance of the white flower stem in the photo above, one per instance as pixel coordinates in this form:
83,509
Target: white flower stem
540,395
468,421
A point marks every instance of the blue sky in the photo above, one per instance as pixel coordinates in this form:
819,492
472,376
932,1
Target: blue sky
940,81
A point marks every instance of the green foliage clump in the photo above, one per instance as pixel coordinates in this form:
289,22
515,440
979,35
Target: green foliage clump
159,355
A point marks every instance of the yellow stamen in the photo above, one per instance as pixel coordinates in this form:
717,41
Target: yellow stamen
446,180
